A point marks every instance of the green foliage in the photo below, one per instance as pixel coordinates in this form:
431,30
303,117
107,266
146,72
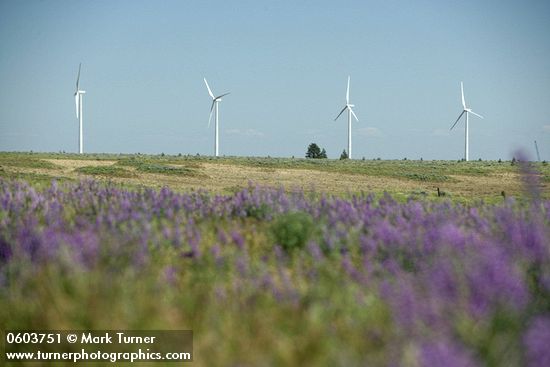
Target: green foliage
261,211
25,160
38,180
344,155
109,171
162,165
164,169
292,230
313,151
427,177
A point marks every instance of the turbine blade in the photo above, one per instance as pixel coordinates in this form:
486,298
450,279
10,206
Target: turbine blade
78,76
341,112
209,90
354,115
347,92
76,103
211,109
223,95
478,115
457,119
462,92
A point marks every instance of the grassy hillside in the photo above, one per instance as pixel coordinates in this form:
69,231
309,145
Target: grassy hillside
459,181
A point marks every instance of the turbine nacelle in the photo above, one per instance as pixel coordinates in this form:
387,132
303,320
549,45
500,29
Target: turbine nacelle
465,109
347,106
219,98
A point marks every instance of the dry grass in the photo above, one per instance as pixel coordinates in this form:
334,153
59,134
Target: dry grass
223,177
71,164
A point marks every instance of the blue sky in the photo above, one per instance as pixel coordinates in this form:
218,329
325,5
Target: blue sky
285,64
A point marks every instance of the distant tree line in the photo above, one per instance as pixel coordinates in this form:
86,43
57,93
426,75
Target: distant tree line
315,152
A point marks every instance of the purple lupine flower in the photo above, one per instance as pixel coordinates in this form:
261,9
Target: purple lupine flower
215,250
85,246
536,341
170,274
404,302
237,239
351,270
266,281
493,280
222,237
29,240
193,235
445,353
241,263
5,251
166,232
436,265
443,281
315,251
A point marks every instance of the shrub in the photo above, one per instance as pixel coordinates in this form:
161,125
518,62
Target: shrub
110,171
314,151
292,230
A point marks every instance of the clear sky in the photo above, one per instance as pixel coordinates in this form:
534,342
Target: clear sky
286,64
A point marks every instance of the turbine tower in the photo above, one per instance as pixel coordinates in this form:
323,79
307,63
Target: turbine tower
215,101
537,150
78,102
466,111
348,107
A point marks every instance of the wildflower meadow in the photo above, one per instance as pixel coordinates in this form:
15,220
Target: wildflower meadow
274,277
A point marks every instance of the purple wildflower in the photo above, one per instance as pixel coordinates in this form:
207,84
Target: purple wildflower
445,353
537,342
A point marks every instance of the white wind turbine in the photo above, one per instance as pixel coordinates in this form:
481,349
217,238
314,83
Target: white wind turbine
78,102
215,101
348,107
466,111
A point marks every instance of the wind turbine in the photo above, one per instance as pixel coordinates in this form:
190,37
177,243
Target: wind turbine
466,111
537,150
78,102
348,107
215,101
